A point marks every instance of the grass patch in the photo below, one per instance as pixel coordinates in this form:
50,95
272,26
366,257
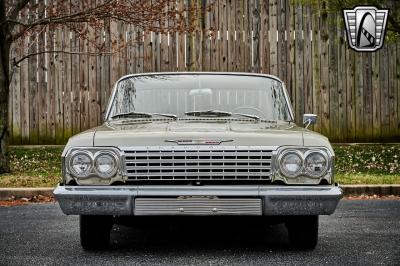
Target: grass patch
33,167
354,164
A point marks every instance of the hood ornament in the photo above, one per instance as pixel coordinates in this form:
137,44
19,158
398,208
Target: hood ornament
197,141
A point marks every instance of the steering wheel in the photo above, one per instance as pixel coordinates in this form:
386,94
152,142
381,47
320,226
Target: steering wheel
249,108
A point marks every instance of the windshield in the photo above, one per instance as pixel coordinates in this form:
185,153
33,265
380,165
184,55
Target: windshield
185,95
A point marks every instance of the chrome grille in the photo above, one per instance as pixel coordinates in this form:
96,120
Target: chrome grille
198,163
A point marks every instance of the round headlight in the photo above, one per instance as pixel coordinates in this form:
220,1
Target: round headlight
291,164
80,164
105,164
316,164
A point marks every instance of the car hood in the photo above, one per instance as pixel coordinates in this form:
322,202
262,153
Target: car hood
232,133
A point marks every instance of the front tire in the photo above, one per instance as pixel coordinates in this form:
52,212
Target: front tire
95,231
303,231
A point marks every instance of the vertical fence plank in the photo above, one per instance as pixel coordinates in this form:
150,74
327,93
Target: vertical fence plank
222,44
24,83
376,97
308,96
59,87
342,83
384,84
281,40
205,35
240,41
84,80
264,42
324,42
316,68
33,85
273,45
393,92
299,66
247,37
15,98
231,10
367,76
94,110
398,85
333,76
41,73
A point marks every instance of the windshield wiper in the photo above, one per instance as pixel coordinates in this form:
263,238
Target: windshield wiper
255,117
133,115
208,113
142,115
167,115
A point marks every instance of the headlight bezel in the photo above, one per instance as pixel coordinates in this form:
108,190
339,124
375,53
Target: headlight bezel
112,155
285,153
303,177
94,177
308,153
71,168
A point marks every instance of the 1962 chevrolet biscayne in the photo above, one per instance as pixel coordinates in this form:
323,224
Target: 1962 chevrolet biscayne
190,144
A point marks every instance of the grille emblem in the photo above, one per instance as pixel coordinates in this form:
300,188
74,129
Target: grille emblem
197,141
365,26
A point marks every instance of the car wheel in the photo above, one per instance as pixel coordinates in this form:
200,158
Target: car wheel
303,231
95,231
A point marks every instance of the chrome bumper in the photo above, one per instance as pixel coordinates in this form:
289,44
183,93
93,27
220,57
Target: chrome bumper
198,200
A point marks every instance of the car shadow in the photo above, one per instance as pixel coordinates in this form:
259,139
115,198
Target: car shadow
199,233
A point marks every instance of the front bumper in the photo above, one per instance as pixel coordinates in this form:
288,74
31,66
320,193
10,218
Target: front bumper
275,200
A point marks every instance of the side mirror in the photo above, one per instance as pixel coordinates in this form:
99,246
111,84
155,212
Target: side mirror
309,119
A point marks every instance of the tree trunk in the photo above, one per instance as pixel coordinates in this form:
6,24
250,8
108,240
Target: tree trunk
5,44
4,90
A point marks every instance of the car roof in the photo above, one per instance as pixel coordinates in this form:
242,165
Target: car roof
202,73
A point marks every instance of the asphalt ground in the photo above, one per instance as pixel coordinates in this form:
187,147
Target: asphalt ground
360,232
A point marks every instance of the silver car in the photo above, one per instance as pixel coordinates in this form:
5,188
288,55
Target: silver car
192,144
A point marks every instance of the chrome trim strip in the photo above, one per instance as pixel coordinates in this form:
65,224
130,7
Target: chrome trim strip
198,206
107,114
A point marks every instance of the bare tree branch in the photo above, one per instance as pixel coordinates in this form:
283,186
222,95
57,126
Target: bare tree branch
16,62
17,7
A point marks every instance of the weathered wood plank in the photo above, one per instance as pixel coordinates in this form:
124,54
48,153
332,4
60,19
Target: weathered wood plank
240,40
307,55
94,107
367,80
59,87
316,68
42,82
222,44
264,42
33,84
393,93
324,51
299,74
273,37
384,84
15,98
282,37
333,76
25,96
84,80
376,97
76,86
67,86
231,9
342,83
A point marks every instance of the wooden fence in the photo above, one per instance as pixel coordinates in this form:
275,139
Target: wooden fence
356,95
